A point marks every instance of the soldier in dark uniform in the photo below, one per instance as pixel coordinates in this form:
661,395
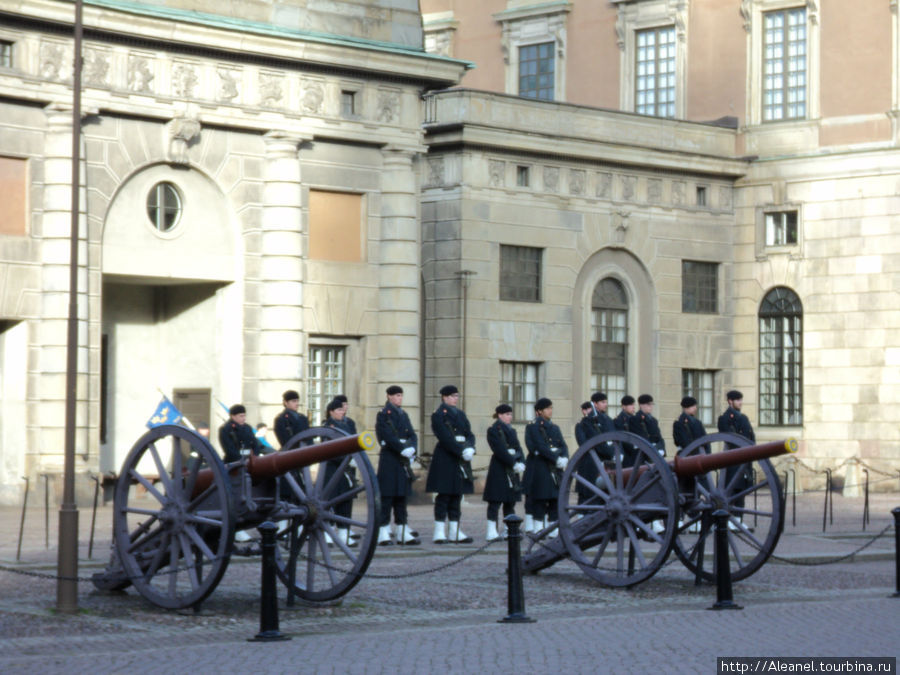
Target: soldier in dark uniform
733,421
450,473
335,420
580,431
645,425
351,425
290,422
621,424
503,483
596,422
687,428
398,442
237,437
548,454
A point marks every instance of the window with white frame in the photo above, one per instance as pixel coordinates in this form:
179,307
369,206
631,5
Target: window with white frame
784,64
325,379
699,384
518,387
6,54
781,228
652,39
654,87
534,48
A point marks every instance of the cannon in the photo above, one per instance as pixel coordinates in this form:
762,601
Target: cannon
623,509
177,507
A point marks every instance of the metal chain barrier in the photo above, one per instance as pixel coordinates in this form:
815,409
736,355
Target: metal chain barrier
805,563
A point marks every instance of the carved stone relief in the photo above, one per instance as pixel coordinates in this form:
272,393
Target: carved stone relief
271,89
183,132
96,67
497,171
619,223
654,190
551,178
678,192
435,170
311,96
140,74
629,185
51,60
184,80
604,185
228,83
388,107
576,182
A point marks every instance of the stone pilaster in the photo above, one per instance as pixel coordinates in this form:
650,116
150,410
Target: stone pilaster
282,344
47,386
398,279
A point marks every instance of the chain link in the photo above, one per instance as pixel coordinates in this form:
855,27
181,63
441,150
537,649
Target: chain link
805,563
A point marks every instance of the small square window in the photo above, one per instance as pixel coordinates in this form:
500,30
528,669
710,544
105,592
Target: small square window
781,228
523,176
699,287
6,55
701,195
348,103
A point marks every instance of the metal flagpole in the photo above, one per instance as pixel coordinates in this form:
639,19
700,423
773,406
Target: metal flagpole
67,561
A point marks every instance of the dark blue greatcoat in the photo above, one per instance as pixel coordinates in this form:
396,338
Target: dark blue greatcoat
591,425
540,436
395,433
502,483
646,426
449,474
234,436
735,422
687,429
345,482
288,424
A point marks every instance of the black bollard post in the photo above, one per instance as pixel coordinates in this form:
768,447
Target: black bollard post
22,521
268,608
866,502
724,599
46,510
827,493
896,513
515,591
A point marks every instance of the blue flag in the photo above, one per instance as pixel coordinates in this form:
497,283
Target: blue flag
165,413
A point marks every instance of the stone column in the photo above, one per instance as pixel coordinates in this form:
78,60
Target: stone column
282,344
47,386
398,280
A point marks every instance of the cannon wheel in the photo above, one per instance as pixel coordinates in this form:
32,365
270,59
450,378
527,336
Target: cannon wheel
313,560
622,531
174,547
756,513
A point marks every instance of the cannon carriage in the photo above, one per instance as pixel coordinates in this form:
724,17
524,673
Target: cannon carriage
177,507
623,509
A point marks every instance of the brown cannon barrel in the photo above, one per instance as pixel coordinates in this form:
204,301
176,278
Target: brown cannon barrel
695,465
261,467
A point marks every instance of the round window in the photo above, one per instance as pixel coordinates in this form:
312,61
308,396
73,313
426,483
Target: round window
164,206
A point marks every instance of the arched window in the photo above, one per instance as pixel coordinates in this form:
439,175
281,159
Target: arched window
609,339
781,358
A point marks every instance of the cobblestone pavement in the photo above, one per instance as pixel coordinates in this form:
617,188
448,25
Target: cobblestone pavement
447,621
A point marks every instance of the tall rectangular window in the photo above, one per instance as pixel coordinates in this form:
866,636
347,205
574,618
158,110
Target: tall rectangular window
326,379
537,71
781,358
6,54
781,228
520,273
518,387
699,287
654,87
699,384
784,65
609,339
348,103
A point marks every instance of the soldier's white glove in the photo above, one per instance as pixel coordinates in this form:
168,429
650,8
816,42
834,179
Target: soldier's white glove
409,453
459,439
468,454
561,463
353,463
511,451
519,468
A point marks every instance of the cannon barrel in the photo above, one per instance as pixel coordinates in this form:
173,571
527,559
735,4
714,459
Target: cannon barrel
695,465
274,464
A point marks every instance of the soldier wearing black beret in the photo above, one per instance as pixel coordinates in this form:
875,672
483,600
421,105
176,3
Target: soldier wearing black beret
503,483
548,456
645,425
687,428
398,442
733,421
450,473
621,423
289,422
236,435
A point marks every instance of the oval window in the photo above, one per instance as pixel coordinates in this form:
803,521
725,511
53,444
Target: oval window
164,206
